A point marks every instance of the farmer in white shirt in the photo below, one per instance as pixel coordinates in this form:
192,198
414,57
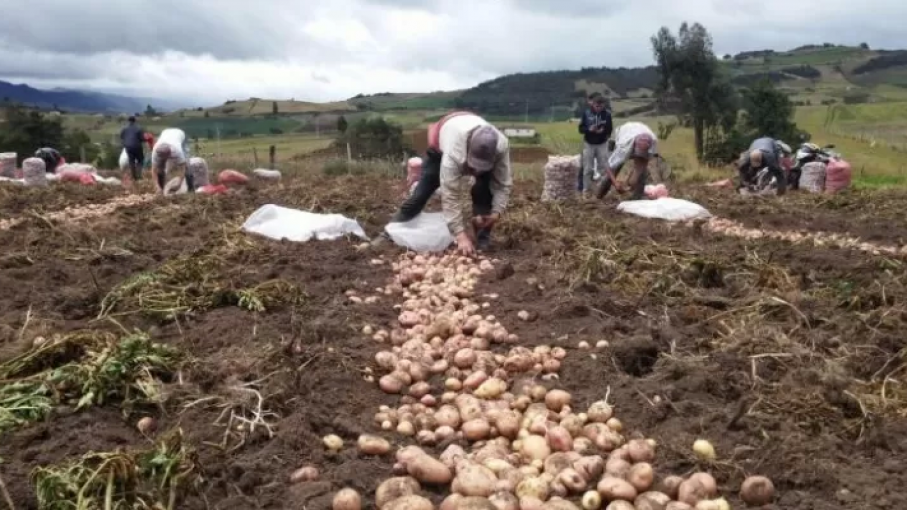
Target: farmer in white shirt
463,145
634,142
171,150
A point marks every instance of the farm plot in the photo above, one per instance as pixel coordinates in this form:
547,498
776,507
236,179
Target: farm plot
158,356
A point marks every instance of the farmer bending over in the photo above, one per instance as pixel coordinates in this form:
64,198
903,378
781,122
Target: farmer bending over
51,157
636,142
763,152
171,150
463,145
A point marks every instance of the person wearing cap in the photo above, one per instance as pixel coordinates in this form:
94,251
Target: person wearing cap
763,152
170,150
634,141
461,146
131,138
596,127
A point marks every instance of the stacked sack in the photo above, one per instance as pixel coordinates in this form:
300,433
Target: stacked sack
198,169
8,165
33,172
812,179
560,177
838,175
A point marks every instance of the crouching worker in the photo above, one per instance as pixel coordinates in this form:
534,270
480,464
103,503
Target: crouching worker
461,146
51,158
763,153
633,141
171,152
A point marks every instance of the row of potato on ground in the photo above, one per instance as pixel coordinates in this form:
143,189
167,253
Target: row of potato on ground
507,442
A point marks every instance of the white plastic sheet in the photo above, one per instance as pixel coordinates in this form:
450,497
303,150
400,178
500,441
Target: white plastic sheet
425,232
671,209
275,222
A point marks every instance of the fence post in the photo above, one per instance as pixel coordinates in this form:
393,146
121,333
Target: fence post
349,153
272,156
255,156
82,157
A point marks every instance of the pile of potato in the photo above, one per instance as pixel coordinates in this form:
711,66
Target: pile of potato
507,442
86,212
733,228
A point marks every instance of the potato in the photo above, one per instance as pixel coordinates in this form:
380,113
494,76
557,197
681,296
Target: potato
451,502
612,488
530,503
559,439
491,389
533,488
476,430
559,504
474,480
390,384
473,503
707,481
590,468
641,476
536,448
620,505
409,503
652,501
427,469
641,451
502,500
600,412
373,445
670,486
395,488
508,424
677,505
304,474
572,480
557,399
617,467
347,499
696,488
757,491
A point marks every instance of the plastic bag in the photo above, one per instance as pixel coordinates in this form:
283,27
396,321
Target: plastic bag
275,222
656,191
231,177
264,173
560,177
212,189
425,232
838,175
176,186
671,209
812,179
33,172
124,160
8,164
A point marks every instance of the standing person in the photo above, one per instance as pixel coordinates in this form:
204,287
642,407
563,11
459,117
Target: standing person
131,137
171,149
463,145
763,152
634,141
596,127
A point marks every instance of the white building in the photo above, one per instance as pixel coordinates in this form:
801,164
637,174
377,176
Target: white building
519,132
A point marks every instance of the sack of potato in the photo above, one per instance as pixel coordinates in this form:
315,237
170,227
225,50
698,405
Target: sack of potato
33,172
198,169
560,177
8,165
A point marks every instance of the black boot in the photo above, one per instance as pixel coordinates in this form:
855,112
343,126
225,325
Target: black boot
483,239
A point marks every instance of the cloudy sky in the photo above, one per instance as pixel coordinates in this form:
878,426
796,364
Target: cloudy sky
207,51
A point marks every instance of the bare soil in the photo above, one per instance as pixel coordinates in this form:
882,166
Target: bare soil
788,358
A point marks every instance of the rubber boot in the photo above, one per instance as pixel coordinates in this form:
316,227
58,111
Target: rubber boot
483,239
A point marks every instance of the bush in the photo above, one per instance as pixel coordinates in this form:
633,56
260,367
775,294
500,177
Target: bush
373,138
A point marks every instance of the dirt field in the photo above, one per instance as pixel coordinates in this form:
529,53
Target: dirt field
789,358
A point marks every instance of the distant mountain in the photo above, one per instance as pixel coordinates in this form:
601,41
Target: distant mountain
78,100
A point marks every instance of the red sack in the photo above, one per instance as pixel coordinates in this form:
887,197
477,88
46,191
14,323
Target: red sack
231,177
71,176
86,179
838,176
212,189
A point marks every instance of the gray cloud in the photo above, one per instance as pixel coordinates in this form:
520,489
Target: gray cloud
221,49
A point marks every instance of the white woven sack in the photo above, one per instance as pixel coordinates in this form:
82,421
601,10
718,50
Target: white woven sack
8,164
33,172
812,178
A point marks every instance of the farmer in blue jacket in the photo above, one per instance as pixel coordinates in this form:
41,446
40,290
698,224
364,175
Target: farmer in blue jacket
596,127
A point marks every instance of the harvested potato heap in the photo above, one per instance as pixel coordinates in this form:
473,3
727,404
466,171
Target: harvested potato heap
733,228
507,442
86,212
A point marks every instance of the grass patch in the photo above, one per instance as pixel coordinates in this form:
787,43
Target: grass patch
82,369
152,479
197,282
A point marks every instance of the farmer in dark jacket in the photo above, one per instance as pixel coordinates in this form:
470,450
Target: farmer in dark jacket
51,157
596,127
763,152
132,136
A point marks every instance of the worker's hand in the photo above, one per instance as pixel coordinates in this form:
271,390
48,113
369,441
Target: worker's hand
486,221
620,187
465,245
